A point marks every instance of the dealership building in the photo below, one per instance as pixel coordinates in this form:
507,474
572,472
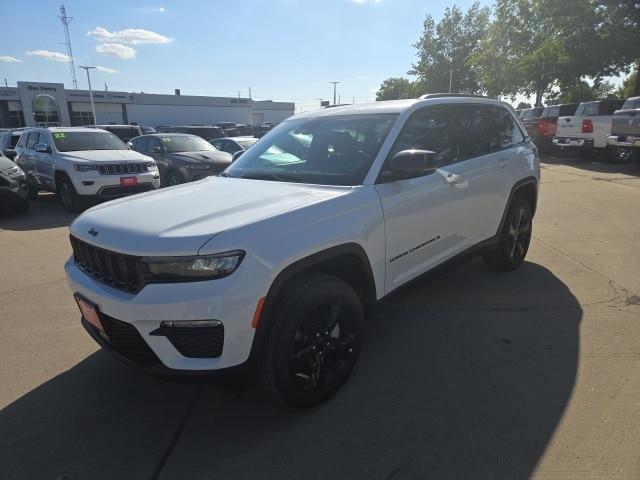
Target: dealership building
50,104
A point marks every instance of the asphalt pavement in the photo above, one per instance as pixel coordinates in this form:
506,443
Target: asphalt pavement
464,374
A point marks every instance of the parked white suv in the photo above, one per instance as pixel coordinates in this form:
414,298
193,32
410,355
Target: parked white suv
79,164
281,259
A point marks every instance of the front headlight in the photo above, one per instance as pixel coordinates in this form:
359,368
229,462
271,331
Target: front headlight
151,165
13,172
84,167
198,166
200,267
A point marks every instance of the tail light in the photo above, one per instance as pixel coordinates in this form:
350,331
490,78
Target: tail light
587,126
543,126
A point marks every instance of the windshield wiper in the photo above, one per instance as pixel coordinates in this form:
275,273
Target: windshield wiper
285,177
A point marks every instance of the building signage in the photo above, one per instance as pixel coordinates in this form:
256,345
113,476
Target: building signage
42,88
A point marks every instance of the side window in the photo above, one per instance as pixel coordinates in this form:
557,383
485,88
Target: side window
140,144
153,142
505,129
430,129
44,138
32,140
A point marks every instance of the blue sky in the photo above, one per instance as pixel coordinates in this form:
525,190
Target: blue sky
284,49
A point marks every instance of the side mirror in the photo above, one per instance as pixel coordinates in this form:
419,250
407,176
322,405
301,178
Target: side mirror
413,163
156,149
42,148
237,155
130,145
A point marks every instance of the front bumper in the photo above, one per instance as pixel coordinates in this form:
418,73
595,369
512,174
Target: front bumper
231,300
94,184
623,141
14,190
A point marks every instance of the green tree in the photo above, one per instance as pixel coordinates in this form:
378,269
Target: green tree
445,48
395,88
523,52
522,105
630,87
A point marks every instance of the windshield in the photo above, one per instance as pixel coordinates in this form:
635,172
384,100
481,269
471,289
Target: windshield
631,104
179,143
332,150
207,133
80,141
246,142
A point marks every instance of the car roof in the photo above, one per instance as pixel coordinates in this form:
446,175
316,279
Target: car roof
398,106
65,129
109,125
169,134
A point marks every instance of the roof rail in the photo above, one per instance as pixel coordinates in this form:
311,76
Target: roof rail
443,95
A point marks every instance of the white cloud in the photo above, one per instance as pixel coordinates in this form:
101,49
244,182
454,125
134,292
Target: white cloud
129,36
9,59
105,69
116,50
151,9
49,55
361,78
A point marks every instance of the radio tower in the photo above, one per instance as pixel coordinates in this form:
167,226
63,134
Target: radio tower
65,24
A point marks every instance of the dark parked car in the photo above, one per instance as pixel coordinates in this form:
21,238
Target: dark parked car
14,190
123,132
230,129
548,124
147,130
260,130
233,145
8,141
203,131
180,157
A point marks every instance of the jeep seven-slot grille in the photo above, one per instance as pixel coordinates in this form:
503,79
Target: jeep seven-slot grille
115,269
122,169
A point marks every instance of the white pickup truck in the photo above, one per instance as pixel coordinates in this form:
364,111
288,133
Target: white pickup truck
587,130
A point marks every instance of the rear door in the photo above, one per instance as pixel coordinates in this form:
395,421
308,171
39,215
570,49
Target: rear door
44,162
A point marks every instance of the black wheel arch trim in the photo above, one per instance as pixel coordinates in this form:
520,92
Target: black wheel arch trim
307,264
514,191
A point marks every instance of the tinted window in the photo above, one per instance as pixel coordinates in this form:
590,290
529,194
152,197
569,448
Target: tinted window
329,150
32,140
607,107
81,141
551,112
44,138
153,142
590,109
140,144
568,110
458,132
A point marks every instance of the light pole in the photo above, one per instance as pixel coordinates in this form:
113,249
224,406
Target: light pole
334,91
93,107
450,80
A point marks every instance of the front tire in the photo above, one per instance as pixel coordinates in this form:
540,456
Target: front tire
513,243
314,341
175,178
69,198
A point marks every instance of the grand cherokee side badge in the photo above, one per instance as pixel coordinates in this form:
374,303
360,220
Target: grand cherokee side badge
93,232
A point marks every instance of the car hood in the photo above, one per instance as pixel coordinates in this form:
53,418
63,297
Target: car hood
179,220
110,156
5,163
217,158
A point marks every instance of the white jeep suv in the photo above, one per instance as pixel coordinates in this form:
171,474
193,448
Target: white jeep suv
279,260
80,164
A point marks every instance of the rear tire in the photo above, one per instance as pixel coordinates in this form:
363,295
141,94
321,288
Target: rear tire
33,192
314,341
513,243
66,192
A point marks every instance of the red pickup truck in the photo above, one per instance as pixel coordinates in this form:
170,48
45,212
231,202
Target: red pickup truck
548,124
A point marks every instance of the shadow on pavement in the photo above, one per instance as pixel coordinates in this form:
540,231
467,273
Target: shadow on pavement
45,212
463,375
596,165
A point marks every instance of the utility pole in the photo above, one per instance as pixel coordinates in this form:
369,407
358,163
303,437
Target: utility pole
334,91
93,107
450,80
67,41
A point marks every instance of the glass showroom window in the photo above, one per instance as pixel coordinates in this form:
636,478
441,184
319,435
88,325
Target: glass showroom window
45,111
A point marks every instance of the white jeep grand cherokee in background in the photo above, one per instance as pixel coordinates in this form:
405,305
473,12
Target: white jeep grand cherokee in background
81,164
280,260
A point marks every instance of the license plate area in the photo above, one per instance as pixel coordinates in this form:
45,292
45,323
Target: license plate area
90,312
128,181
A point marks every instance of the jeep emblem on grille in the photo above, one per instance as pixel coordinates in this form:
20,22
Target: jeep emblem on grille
93,232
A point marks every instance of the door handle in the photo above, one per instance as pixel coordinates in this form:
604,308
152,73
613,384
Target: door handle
502,163
452,179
